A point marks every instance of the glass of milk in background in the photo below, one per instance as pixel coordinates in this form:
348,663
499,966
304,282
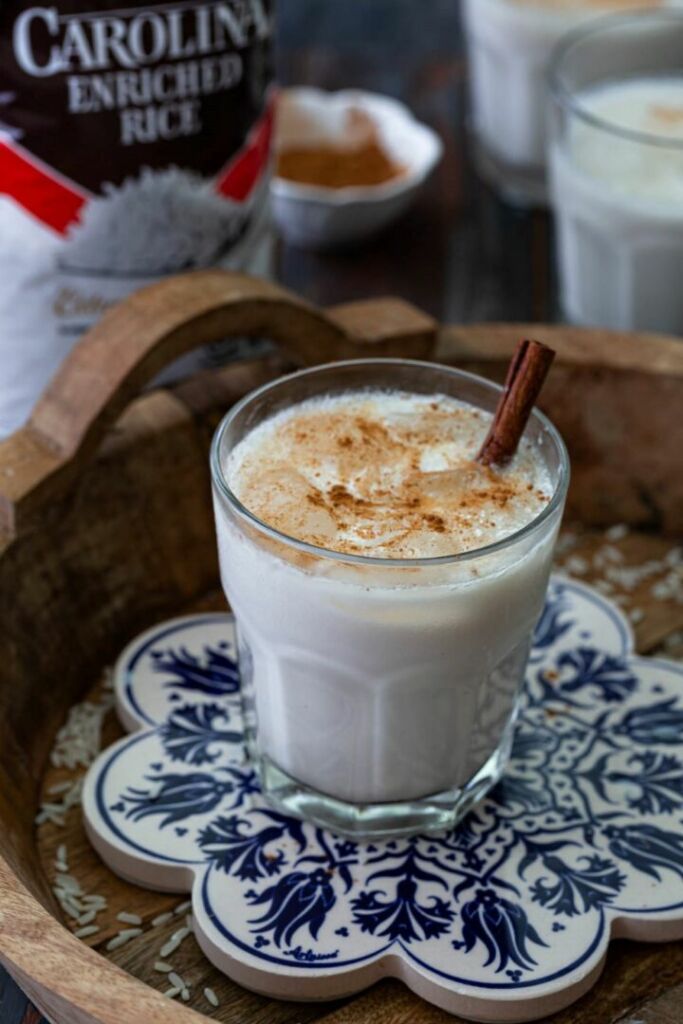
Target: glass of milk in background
616,158
510,43
380,694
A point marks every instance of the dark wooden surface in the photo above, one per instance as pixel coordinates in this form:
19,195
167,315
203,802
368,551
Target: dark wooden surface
459,254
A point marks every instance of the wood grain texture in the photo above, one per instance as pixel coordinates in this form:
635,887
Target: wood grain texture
130,541
138,338
653,353
617,401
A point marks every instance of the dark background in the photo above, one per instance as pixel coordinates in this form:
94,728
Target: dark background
460,254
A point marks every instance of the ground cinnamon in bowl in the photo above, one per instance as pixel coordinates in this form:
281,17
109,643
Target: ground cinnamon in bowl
357,161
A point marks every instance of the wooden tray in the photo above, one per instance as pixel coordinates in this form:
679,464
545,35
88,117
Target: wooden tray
106,527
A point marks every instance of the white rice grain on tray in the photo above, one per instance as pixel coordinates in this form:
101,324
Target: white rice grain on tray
127,918
79,740
211,997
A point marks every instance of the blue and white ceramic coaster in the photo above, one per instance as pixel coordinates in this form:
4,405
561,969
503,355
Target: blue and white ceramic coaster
507,918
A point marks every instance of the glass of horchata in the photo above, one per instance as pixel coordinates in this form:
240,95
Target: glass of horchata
385,587
510,46
616,159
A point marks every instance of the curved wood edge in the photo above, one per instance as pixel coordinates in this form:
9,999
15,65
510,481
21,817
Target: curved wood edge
136,339
68,980
580,346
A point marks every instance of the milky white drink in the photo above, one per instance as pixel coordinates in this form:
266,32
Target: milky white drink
510,43
619,205
378,678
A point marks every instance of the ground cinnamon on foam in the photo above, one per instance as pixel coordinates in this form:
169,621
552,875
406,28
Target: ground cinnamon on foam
389,475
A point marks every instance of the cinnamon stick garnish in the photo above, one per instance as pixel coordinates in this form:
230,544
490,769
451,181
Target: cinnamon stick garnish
525,377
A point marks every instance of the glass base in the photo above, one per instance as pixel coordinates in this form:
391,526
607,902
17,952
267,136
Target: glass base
518,185
436,813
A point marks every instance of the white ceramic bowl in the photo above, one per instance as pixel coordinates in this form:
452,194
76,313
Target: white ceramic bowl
319,217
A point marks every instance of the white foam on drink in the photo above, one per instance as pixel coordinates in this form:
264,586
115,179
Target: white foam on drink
387,474
643,169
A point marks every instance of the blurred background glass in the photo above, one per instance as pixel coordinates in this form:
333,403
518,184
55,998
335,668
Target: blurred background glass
617,172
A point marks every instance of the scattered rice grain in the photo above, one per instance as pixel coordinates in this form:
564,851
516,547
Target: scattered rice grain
79,740
71,908
617,532
172,992
175,979
83,933
576,566
674,557
185,995
182,907
127,918
211,997
566,542
122,938
673,640
169,947
88,917
162,967
65,888
60,787
162,919
52,816
68,883
54,812
94,899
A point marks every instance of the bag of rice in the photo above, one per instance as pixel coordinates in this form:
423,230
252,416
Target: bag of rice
134,143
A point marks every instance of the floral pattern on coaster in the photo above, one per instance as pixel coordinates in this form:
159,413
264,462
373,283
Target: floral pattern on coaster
507,917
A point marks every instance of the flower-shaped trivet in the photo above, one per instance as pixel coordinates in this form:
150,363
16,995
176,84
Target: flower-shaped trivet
506,918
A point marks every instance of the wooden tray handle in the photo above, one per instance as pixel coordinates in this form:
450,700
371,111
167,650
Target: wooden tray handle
136,339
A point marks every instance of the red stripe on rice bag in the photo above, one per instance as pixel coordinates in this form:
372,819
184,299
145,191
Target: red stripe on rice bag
55,202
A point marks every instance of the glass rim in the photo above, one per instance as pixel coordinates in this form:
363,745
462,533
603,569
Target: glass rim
567,98
218,476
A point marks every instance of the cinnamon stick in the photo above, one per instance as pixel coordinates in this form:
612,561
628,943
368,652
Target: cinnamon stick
525,377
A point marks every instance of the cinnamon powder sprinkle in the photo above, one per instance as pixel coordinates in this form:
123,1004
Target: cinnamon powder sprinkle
667,115
385,474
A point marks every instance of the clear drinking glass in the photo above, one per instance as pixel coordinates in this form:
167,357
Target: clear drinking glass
380,694
616,158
